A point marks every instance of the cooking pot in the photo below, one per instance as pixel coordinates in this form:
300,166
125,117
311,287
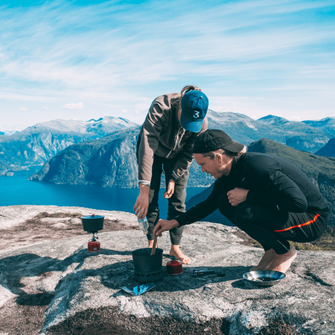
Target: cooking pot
92,223
145,263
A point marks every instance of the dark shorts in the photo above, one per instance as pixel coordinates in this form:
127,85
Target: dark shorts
273,229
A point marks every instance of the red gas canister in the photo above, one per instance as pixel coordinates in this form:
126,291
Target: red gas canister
93,246
174,267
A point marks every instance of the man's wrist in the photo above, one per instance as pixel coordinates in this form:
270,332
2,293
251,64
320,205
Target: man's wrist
144,182
175,223
174,176
144,188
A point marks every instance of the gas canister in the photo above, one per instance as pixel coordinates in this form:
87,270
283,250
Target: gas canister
93,246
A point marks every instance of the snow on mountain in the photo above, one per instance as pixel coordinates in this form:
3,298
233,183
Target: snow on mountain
102,126
327,124
37,144
273,120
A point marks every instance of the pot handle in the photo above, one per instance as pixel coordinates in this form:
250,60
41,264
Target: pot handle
153,250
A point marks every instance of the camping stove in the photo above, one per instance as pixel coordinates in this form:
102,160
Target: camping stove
92,224
93,244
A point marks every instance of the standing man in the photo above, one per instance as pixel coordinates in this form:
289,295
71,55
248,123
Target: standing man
267,197
165,144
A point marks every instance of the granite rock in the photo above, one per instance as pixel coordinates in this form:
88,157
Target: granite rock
74,291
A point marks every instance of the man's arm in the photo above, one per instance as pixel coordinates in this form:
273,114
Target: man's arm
206,207
237,195
199,211
164,225
151,130
142,202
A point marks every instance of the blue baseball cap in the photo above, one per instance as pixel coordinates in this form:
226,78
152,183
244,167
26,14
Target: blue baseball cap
194,106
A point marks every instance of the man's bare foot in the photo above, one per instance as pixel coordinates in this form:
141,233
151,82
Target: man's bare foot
265,261
283,262
176,252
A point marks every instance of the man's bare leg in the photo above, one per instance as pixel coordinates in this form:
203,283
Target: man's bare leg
151,244
176,252
283,262
265,261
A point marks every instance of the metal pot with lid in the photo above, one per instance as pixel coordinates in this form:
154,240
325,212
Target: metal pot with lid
92,223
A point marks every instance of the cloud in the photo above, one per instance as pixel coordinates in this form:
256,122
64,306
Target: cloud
144,105
124,111
46,108
78,105
98,55
23,109
111,53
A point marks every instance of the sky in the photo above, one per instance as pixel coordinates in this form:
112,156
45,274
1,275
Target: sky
88,59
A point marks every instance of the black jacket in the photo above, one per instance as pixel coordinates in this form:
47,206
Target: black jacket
271,181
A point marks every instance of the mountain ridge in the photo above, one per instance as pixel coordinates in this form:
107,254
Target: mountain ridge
35,145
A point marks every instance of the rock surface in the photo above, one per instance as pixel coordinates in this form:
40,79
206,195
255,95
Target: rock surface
58,287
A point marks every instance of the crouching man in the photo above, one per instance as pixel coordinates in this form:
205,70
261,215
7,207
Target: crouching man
267,197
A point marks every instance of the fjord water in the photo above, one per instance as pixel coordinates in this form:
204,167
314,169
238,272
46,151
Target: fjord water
17,190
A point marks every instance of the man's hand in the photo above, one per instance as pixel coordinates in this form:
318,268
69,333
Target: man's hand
237,195
163,225
142,202
170,189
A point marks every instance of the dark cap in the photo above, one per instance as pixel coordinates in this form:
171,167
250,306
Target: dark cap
194,106
214,139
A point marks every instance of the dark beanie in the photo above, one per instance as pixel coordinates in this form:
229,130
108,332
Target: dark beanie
214,139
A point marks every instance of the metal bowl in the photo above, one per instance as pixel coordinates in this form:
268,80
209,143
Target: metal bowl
264,277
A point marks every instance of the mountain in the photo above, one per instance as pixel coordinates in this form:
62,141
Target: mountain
274,120
100,126
37,144
244,129
321,170
78,165
327,124
328,150
109,161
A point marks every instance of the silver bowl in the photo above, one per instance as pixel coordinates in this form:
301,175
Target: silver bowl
264,277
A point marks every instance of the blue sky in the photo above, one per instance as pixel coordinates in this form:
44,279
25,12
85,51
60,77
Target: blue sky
88,59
